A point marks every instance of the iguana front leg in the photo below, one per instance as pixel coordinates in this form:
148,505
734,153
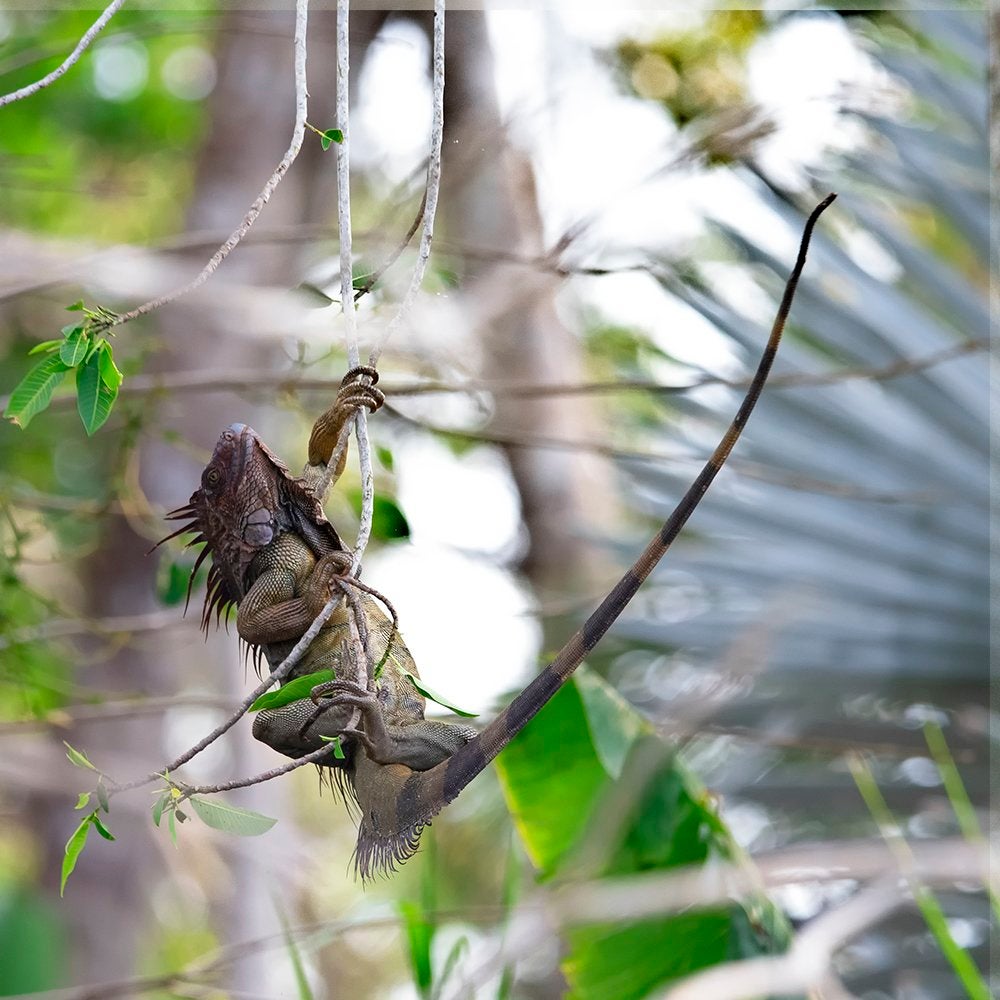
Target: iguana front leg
289,592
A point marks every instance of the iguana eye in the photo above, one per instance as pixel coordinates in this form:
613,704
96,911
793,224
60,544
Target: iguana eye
212,477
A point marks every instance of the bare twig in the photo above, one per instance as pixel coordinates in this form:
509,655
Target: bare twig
123,708
433,185
376,275
91,33
360,419
278,674
301,103
227,786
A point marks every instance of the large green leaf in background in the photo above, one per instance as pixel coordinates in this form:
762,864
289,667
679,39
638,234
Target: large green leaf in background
588,758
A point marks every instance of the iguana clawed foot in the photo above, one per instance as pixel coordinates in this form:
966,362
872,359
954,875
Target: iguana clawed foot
332,567
374,737
357,391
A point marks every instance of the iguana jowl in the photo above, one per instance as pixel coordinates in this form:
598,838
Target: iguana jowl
402,768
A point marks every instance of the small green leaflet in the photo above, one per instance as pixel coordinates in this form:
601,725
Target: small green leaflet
293,691
45,346
82,347
81,802
94,397
74,847
74,348
34,392
338,750
77,842
314,296
111,376
102,796
159,805
230,819
330,136
100,827
78,758
428,693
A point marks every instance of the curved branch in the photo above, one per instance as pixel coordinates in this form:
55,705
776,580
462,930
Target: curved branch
91,33
301,102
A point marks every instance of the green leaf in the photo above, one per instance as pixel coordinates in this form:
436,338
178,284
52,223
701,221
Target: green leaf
315,297
172,580
613,724
330,136
82,801
172,825
45,345
78,758
94,396
389,523
34,392
231,819
74,847
338,750
294,690
101,828
102,796
110,374
435,697
301,979
385,457
75,347
665,820
419,937
76,306
460,947
158,807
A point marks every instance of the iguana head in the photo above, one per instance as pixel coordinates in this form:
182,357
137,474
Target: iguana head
247,498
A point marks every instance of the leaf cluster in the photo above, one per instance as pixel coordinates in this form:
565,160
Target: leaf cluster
84,349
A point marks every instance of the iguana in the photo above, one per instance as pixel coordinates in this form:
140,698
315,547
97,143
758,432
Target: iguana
276,556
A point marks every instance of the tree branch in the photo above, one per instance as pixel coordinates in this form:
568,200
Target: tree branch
433,186
91,33
278,674
301,103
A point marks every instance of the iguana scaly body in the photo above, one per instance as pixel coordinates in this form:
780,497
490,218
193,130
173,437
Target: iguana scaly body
398,784
277,558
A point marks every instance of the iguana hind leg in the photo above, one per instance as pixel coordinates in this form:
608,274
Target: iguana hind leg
419,745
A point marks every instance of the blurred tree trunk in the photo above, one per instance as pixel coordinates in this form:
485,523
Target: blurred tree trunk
489,201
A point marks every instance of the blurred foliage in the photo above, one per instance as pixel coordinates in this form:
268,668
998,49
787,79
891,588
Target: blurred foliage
75,164
697,72
624,804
